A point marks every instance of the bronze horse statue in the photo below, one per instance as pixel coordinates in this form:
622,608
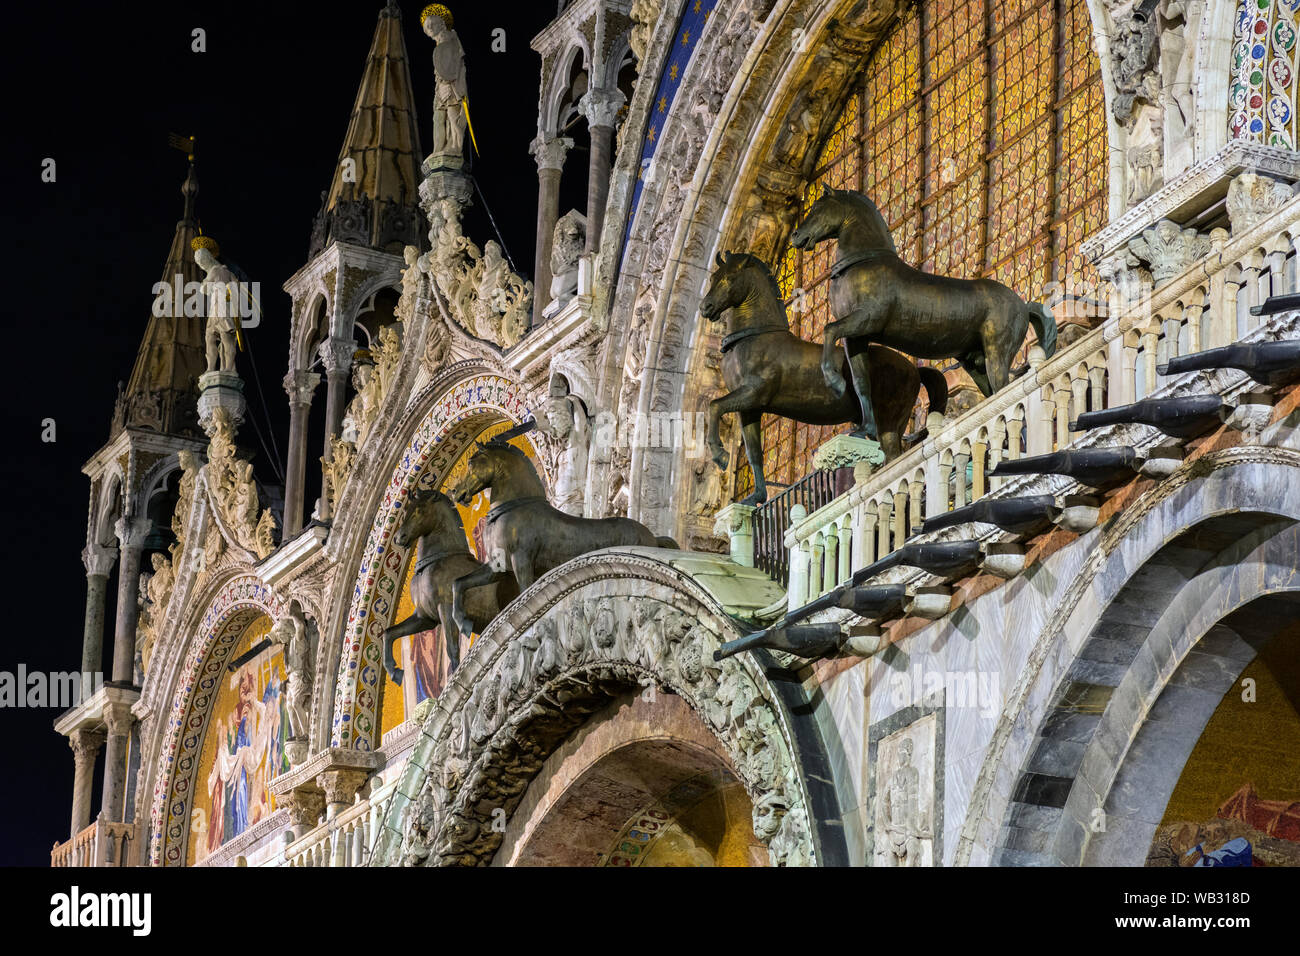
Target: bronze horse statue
768,369
442,557
876,297
523,533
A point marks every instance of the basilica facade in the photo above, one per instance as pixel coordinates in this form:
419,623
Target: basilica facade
581,586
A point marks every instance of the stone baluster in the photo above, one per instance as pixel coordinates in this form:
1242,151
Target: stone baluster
816,565
915,503
830,559
845,549
979,464
1015,432
959,463
798,587
900,515
1097,388
1078,395
1247,295
1062,396
864,542
1150,359
1195,310
884,513
997,435
940,503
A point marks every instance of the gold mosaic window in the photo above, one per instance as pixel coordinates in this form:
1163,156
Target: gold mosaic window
979,130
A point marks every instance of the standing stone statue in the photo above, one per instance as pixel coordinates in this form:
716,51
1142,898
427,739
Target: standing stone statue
568,242
220,288
450,90
567,422
292,632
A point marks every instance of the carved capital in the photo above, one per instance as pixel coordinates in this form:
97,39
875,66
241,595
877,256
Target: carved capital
118,717
336,355
85,745
1252,198
98,560
550,152
305,808
301,386
600,107
1169,248
131,532
341,786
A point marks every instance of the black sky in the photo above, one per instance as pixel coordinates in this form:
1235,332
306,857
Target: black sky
269,100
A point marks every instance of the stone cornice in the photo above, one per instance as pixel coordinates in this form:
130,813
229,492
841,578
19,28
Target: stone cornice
1193,192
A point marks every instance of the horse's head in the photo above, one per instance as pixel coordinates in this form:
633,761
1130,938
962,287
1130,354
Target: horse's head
480,475
823,221
726,289
428,512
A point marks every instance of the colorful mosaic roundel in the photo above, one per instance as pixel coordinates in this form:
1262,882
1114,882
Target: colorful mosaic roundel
1262,96
434,446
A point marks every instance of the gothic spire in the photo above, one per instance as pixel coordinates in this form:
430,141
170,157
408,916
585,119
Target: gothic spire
162,391
373,199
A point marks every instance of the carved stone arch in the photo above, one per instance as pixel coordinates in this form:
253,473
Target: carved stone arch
557,86
1235,560
1235,481
440,426
303,349
592,630
376,283
214,626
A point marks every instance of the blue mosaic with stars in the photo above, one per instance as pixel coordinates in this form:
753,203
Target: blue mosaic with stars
694,18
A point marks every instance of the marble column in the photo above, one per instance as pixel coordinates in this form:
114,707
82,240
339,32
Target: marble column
130,537
99,563
118,718
336,355
300,386
340,787
85,746
600,107
549,154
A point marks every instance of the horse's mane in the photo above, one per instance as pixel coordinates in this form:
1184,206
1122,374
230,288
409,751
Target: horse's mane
872,213
504,446
749,259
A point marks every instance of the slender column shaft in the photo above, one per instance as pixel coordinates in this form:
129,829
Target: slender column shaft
300,387
549,154
130,536
85,746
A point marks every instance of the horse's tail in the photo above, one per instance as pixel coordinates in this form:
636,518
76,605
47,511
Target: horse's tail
1044,323
936,388
663,541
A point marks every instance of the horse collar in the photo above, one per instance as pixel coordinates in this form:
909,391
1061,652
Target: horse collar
844,265
429,559
731,339
506,506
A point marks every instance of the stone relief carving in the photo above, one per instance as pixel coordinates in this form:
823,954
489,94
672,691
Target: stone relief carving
644,14
904,810
233,491
485,297
555,672
1252,198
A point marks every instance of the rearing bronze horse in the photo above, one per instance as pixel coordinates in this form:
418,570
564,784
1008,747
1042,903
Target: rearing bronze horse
442,556
523,532
770,370
876,297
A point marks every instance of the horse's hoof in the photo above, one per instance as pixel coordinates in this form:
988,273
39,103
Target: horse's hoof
722,459
755,499
396,675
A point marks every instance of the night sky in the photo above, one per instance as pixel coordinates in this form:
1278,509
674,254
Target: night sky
98,90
